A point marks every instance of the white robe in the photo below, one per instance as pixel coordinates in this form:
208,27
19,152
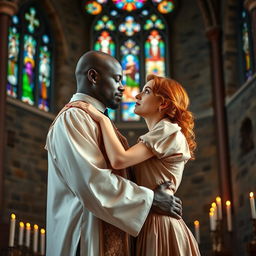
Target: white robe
81,190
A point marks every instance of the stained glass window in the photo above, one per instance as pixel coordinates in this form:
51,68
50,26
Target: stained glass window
30,58
134,32
247,48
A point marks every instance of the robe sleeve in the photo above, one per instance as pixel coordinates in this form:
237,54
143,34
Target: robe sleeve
73,144
167,141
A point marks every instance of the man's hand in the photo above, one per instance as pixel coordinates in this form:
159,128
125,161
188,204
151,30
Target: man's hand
166,204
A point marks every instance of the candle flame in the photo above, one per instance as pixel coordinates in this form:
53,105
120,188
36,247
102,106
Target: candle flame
196,223
42,231
251,195
228,203
218,199
36,227
211,213
28,225
21,224
212,210
13,216
214,205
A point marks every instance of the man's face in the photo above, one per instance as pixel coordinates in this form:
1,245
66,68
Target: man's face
109,87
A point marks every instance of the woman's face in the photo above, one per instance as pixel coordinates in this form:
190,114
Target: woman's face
147,103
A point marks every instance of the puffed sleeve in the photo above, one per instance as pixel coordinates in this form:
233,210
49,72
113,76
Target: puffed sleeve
167,140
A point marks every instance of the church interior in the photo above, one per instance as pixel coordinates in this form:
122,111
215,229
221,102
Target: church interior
209,46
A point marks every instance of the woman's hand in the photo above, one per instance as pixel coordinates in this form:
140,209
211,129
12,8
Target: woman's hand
95,114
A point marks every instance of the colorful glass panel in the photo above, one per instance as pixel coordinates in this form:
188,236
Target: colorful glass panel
44,77
33,22
129,5
93,7
155,54
130,26
105,23
111,114
105,43
154,22
246,47
28,75
165,6
131,79
13,54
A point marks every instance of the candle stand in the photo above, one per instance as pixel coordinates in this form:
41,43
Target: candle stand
251,247
217,241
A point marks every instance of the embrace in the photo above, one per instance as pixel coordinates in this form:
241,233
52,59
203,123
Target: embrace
93,208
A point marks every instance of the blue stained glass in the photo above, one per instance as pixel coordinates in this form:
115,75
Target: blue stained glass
128,112
111,114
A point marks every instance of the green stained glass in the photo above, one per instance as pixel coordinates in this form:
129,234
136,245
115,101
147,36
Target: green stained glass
28,75
105,43
154,22
105,23
13,54
44,78
32,21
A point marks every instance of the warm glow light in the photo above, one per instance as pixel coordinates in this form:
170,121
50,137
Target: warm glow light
196,223
28,225
212,210
13,217
211,213
218,199
42,231
251,195
228,203
35,226
21,224
214,205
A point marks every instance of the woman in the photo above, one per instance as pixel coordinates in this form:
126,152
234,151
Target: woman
159,155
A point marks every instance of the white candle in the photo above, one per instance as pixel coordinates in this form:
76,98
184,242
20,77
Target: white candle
12,230
212,224
252,204
42,240
214,218
35,240
229,218
197,231
21,233
219,207
28,229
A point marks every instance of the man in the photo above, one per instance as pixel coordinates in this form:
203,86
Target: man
84,194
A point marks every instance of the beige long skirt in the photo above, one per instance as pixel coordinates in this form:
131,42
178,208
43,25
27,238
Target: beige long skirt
165,236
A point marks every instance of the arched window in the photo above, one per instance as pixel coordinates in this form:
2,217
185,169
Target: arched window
246,44
136,33
29,76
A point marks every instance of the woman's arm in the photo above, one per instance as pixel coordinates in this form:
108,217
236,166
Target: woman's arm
118,156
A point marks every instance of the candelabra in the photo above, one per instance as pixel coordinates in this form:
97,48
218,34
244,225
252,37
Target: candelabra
252,244
18,251
217,241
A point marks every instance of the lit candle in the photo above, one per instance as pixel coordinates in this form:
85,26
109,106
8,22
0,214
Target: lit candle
197,231
12,230
21,233
229,218
252,203
219,207
35,240
28,229
42,251
214,217
212,224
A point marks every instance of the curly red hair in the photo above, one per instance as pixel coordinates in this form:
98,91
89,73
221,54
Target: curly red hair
177,102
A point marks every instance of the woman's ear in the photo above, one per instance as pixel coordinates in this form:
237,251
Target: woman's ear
92,75
164,105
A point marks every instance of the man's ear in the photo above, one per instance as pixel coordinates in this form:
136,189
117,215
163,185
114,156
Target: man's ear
92,75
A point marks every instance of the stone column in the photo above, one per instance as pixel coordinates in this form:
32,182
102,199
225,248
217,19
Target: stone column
250,5
7,9
214,36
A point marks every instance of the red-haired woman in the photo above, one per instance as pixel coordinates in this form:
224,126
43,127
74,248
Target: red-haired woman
159,156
